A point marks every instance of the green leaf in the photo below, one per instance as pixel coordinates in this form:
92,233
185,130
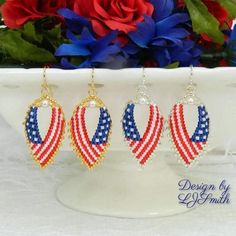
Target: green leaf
173,65
19,49
230,6
1,2
55,32
76,60
29,33
53,36
203,21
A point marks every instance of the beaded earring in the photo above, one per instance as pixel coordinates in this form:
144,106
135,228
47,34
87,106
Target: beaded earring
187,147
143,146
44,149
90,151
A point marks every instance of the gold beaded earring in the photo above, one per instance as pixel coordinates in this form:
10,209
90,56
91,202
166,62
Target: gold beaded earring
44,149
91,151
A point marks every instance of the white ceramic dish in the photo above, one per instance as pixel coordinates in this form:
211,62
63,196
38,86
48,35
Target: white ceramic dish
119,187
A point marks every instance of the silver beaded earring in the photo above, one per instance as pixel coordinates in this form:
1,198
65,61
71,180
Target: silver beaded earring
187,147
143,146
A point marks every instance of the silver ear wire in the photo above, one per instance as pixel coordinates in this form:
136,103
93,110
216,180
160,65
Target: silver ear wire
142,96
191,74
144,77
190,91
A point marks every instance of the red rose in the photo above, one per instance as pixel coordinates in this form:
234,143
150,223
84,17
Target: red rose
180,3
108,15
17,12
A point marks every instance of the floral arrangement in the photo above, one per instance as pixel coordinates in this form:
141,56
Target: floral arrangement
118,33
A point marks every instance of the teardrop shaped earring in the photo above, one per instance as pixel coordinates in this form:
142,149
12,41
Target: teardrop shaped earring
90,151
187,147
142,147
44,149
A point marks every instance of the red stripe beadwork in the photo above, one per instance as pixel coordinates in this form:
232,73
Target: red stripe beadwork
185,147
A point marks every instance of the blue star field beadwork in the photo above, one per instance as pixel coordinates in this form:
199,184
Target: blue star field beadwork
31,127
102,131
202,131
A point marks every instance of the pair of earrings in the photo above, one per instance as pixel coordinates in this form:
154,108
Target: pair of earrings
187,147
44,149
91,151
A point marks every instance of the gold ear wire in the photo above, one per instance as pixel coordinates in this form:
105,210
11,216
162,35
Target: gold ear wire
92,88
45,88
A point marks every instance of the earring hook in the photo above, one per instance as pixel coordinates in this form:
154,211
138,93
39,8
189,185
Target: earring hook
92,87
45,88
191,75
144,77
190,95
142,96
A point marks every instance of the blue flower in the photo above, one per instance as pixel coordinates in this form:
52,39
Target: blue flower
75,22
164,38
85,50
231,49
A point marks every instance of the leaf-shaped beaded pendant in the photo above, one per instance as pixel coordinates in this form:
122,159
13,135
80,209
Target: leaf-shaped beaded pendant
43,149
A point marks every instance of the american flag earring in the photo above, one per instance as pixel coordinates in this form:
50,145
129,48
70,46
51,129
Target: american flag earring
91,151
188,147
142,147
44,149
